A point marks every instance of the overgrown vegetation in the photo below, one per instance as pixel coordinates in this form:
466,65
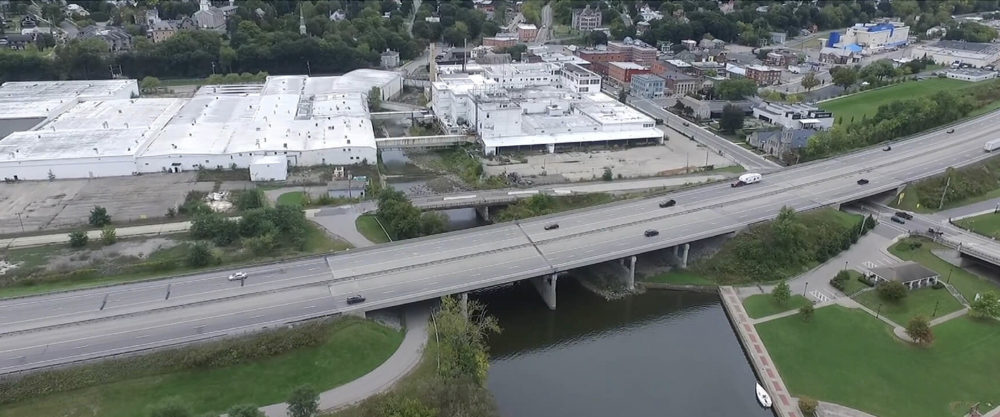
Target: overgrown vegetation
784,247
464,162
404,221
542,204
964,185
257,369
455,387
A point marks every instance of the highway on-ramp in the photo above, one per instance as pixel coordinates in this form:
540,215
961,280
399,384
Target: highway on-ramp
58,328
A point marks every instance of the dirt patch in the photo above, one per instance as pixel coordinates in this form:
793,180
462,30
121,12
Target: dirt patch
6,266
138,249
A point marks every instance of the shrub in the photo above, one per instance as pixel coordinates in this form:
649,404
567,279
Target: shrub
303,402
607,175
837,284
108,235
245,410
78,239
99,217
250,199
781,293
892,291
807,311
938,285
808,405
866,281
199,255
171,212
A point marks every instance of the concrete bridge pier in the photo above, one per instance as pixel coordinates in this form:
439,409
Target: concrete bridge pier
484,213
628,278
464,302
684,256
546,286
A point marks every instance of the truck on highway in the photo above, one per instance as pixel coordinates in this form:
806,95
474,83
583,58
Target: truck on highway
992,145
747,179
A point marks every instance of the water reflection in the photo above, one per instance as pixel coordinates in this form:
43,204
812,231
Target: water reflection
663,353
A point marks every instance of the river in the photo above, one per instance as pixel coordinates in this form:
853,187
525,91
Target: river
662,353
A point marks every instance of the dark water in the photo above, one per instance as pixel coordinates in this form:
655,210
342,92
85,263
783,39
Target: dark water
663,353
458,219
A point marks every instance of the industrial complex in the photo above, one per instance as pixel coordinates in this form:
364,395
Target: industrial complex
535,105
85,129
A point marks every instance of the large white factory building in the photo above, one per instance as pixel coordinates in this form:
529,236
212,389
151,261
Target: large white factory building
85,129
535,105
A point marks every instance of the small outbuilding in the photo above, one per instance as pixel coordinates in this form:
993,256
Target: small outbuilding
269,168
911,274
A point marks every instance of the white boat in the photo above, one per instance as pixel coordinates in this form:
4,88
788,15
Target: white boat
762,397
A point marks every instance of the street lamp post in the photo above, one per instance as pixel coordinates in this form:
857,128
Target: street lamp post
949,273
935,308
879,311
805,289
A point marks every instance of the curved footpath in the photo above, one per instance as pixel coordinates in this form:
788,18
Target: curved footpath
380,379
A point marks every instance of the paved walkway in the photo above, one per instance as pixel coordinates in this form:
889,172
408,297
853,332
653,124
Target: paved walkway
341,221
836,410
380,379
784,404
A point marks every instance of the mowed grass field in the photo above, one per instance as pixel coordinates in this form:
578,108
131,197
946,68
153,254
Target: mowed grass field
848,357
868,102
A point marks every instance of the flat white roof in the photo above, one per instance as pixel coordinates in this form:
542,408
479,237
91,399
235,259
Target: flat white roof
48,145
527,26
84,89
33,109
627,65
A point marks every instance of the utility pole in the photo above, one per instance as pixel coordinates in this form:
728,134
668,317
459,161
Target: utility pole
946,184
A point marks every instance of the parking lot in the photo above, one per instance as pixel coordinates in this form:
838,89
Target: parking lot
30,206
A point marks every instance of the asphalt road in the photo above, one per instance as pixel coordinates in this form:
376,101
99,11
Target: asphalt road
46,330
748,159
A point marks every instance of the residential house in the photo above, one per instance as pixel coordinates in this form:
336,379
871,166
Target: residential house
838,56
647,85
20,42
781,59
910,274
763,75
389,59
586,19
527,32
115,37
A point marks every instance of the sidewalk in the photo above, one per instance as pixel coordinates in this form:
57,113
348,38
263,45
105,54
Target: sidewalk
380,379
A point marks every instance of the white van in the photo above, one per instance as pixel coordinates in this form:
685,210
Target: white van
992,145
747,179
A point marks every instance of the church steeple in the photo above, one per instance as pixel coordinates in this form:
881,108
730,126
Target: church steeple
205,5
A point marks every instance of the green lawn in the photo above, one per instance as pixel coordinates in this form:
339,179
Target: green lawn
917,302
293,198
369,227
317,241
682,277
853,285
967,283
858,105
848,357
353,348
985,224
763,305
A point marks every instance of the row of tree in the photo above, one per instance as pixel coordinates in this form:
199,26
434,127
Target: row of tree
402,220
893,120
260,230
781,248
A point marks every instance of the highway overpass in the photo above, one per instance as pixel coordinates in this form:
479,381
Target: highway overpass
59,328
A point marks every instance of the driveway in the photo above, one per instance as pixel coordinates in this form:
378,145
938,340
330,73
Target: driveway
341,222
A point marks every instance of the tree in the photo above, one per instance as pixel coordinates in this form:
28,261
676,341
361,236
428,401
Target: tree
457,34
919,329
809,81
808,405
199,255
462,334
245,410
78,239
149,84
172,407
597,37
396,405
736,89
892,291
781,293
108,235
986,305
375,99
607,175
303,402
99,217
433,222
732,118
807,311
844,76
251,199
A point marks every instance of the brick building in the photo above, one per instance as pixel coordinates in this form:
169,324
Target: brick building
763,75
622,72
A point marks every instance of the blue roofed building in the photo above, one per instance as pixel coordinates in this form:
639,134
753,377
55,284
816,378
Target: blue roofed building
870,37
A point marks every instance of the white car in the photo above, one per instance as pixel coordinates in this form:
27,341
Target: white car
238,276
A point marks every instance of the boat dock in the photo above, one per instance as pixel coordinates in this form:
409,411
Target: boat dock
783,404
